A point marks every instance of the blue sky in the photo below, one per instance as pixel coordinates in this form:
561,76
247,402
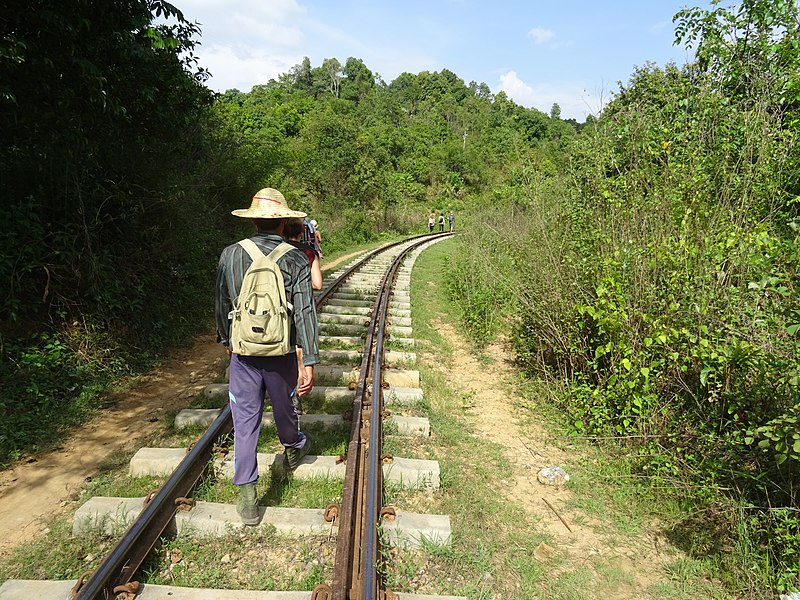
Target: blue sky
538,52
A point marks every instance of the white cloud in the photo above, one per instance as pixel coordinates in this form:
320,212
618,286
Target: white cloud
278,10
515,88
540,36
244,68
272,33
247,21
575,103
248,42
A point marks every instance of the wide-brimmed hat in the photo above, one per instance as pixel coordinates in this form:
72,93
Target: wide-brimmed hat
268,204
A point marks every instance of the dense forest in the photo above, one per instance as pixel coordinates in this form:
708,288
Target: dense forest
644,264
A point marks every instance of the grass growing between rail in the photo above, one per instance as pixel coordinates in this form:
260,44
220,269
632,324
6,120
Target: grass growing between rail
493,538
341,343
247,559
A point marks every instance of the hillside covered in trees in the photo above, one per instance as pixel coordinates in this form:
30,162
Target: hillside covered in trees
120,169
644,263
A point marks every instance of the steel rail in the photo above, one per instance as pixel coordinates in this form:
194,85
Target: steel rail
374,473
127,556
344,574
325,296
371,586
355,575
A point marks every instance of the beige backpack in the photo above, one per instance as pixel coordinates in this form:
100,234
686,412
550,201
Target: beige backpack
261,318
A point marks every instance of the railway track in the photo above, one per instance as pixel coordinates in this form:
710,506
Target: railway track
365,306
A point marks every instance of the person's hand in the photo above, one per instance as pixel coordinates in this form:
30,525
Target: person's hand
307,374
228,351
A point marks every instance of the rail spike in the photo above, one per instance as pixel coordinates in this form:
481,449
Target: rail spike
322,592
80,583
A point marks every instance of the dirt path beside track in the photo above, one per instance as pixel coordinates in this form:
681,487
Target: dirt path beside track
39,487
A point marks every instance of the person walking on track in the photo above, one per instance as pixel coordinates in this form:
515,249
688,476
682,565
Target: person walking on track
293,234
260,335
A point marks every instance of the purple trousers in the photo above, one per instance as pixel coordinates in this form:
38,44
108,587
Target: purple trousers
251,377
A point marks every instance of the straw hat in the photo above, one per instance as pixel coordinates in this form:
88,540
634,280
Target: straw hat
268,204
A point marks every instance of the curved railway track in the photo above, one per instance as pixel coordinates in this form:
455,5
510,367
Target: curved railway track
366,304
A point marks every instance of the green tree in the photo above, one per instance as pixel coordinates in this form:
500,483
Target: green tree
94,97
107,152
300,76
331,74
406,89
748,50
326,154
358,80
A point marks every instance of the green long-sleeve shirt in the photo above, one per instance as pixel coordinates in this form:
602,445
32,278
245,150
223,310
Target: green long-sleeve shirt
234,262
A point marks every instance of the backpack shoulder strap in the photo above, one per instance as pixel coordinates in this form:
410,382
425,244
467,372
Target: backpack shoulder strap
280,250
255,252
252,249
276,253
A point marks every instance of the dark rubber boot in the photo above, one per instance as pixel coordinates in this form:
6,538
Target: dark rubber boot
295,455
248,504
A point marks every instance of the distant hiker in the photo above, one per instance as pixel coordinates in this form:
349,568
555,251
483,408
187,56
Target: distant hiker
293,234
317,238
441,222
431,222
451,217
309,233
261,343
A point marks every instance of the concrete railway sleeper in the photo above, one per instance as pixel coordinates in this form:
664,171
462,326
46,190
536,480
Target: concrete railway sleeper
371,296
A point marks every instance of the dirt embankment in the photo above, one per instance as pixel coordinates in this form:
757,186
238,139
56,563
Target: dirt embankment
41,486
